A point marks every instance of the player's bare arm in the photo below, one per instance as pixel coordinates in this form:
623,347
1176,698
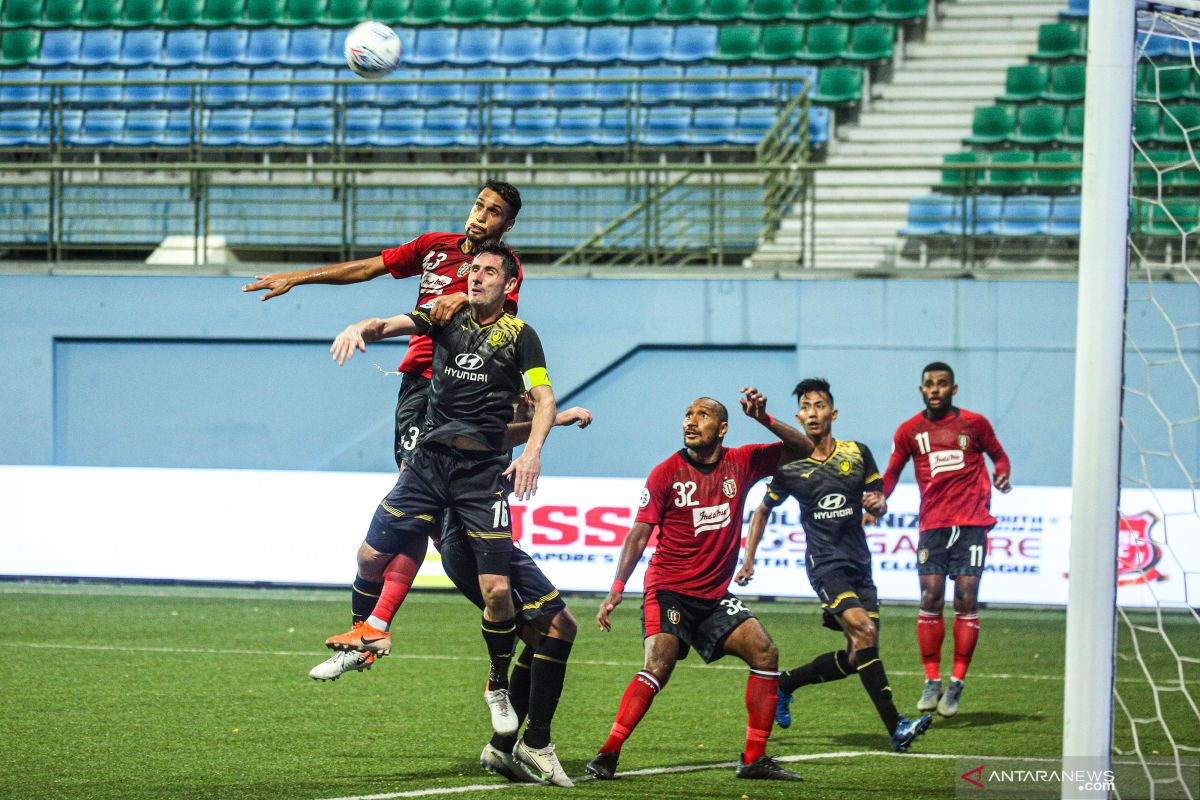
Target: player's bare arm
518,432
758,525
631,555
358,335
279,283
797,445
446,306
525,469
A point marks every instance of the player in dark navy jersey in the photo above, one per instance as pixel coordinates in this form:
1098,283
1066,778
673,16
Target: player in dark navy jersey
833,486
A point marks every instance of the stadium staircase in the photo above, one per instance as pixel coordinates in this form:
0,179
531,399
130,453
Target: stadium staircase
921,114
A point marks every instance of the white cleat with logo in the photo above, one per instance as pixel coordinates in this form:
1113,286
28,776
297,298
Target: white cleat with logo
504,721
543,763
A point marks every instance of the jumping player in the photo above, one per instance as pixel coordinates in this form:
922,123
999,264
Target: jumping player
696,498
833,486
946,444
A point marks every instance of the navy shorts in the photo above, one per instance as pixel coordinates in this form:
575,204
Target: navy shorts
960,550
411,404
843,588
696,621
533,594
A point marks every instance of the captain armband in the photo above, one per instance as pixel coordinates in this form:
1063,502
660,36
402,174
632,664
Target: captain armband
535,377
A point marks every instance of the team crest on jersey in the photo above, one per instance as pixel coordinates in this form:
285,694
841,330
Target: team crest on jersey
463,269
729,487
496,338
845,467
964,441
922,555
645,501
673,615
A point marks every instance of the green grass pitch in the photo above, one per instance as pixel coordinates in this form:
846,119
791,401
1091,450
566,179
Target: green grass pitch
182,692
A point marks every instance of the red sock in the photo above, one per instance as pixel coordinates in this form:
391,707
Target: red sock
966,634
634,705
761,689
931,630
398,578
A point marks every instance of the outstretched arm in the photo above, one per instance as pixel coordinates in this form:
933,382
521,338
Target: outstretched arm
796,445
518,432
899,457
279,283
758,525
631,554
356,336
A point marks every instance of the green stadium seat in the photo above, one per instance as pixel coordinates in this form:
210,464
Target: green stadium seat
595,12
1059,179
1146,178
141,13
1024,83
302,13
871,43
1068,84
1172,218
342,13
222,13
21,14
1010,178
991,125
634,12
812,10
1180,124
768,10
1037,125
1072,135
180,13
725,10
390,12
550,12
855,10
838,86
1184,179
262,12
959,179
428,12
1060,40
825,42
469,12
738,42
19,47
903,10
100,13
1165,83
62,13
1147,121
680,11
780,43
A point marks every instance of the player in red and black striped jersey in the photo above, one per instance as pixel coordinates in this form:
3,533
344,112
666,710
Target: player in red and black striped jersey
695,499
947,444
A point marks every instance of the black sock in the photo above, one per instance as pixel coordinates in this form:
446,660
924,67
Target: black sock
875,681
518,698
547,675
363,594
501,638
822,669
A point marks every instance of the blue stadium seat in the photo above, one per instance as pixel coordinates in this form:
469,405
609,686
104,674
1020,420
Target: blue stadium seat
313,93
475,84
314,128
270,127
1025,215
933,215
362,93
524,93
147,93
693,43
751,91
1155,46
989,213
23,128
335,55
476,46
179,94
59,47
563,44
20,95
616,127
103,95
706,91
307,47
448,127
497,120
577,126
225,46
712,125
520,45
614,92
1064,217
531,127
607,44
141,48
225,127
67,93
1075,10
791,77
434,46
398,89
650,43
101,126
271,94
753,123
441,93
1181,48
178,131
265,46
820,118
400,127
183,48
227,94
143,126
361,125
70,123
100,46
669,92
666,125
582,92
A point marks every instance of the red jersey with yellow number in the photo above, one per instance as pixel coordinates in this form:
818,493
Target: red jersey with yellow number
947,456
439,260
698,511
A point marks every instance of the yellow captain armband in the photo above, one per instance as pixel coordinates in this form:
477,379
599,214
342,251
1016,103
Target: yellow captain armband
535,377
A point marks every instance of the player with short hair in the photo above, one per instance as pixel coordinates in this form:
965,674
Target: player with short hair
946,444
695,498
833,486
482,359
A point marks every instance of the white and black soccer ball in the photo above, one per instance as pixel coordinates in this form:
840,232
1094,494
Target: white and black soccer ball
372,49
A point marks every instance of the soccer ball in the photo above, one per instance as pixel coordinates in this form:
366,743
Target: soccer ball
372,49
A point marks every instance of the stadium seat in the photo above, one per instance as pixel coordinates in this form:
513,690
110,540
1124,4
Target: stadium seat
1010,179
856,10
140,13
143,127
225,127
361,124
960,179
1152,46
820,123
666,125
1060,40
1075,10
520,45
522,93
428,12
738,42
298,13
611,92
902,10
19,47
100,13
648,43
60,13
225,46
580,89
1068,84
933,215
711,126
399,89
796,78
344,13
768,10
1064,217
780,43
617,127
308,46
725,10
1173,218
607,44
219,13
1147,122
676,11
751,91
554,12
265,46
23,128
140,48
23,95
839,86
101,126
66,92
530,127
991,125
476,45
58,47
448,90
236,91
179,13
449,127
577,126
1180,124
1024,83
335,55
178,131
390,12
95,93
812,10
1072,135
563,44
313,128
511,12
321,91
1164,84
433,46
1058,179
1038,125
700,92
825,42
400,127
269,127
98,47
870,44
693,43
670,91
181,93
1025,216
595,12
1182,48
635,12
753,123
468,12
271,94
20,14
263,12
985,213
183,47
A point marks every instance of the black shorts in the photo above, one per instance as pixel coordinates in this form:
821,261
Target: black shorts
843,588
440,479
410,415
533,594
698,622
960,550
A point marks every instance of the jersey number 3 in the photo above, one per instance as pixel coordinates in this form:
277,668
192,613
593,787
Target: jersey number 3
686,492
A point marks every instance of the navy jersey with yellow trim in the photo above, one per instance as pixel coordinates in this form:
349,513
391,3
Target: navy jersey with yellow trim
830,495
477,372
